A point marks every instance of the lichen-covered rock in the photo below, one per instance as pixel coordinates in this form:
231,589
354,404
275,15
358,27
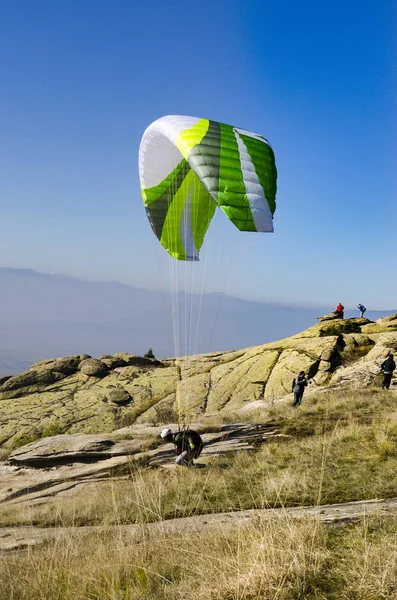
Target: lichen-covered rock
357,376
203,363
40,374
79,394
241,381
328,317
138,361
93,367
162,412
118,395
385,324
43,373
366,371
66,365
113,362
30,380
335,327
63,448
386,344
288,366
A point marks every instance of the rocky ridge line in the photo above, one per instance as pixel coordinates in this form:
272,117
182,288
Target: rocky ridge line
80,394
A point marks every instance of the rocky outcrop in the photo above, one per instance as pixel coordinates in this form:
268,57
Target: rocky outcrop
41,374
365,371
112,362
80,394
328,317
93,367
118,395
388,323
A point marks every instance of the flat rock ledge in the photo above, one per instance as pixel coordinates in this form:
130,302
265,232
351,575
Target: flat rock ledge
83,448
19,538
63,464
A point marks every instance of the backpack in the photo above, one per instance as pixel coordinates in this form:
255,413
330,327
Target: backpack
295,387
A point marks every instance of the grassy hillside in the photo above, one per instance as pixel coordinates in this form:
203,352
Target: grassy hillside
337,447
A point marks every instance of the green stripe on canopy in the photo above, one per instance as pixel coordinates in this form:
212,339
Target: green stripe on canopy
188,166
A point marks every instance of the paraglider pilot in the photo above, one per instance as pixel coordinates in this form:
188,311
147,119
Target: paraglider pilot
188,445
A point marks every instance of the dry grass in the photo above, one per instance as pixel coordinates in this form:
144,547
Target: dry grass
274,559
362,562
320,411
338,448
278,559
352,462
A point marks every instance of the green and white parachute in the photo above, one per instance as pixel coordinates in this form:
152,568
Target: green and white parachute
189,166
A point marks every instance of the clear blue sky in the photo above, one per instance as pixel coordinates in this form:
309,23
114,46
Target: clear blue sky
82,79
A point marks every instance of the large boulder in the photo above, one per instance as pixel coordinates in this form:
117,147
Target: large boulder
118,395
93,367
385,344
366,372
113,362
356,376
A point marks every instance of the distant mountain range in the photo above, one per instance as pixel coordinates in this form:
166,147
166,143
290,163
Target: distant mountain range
10,365
44,316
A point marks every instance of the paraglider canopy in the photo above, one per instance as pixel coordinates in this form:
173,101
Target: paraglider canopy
189,166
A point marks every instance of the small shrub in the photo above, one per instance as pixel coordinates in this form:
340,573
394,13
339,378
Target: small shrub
151,443
128,418
385,447
165,414
347,327
4,453
351,327
25,438
53,429
149,354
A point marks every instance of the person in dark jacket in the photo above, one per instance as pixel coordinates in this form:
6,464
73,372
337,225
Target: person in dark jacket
388,366
188,445
298,387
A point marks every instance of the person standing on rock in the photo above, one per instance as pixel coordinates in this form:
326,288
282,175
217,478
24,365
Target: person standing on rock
298,387
388,366
339,310
362,309
188,445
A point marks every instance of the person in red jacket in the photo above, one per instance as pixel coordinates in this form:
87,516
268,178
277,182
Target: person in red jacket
339,310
